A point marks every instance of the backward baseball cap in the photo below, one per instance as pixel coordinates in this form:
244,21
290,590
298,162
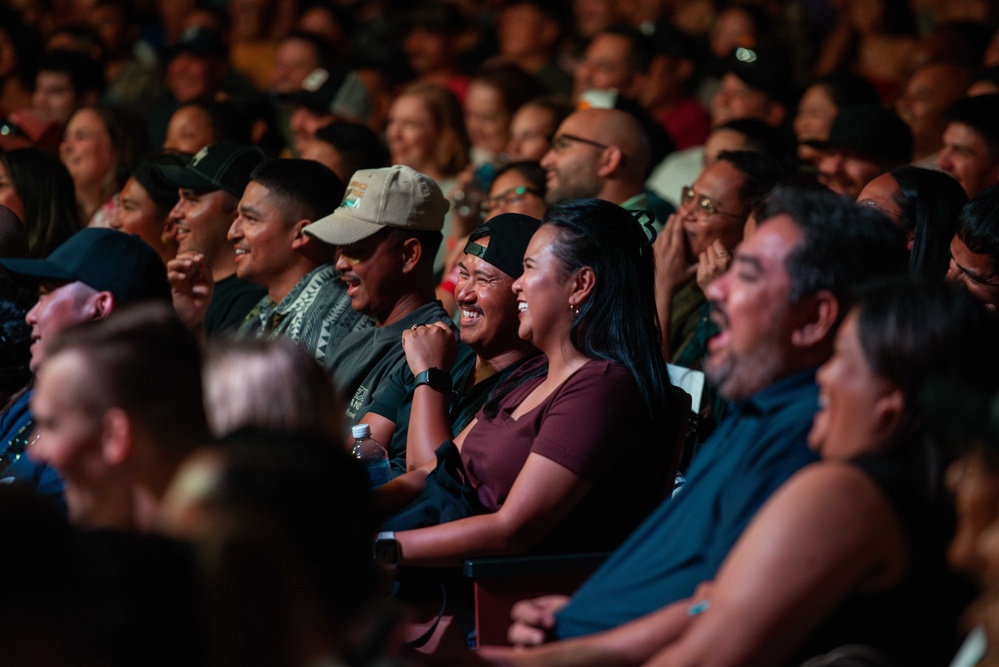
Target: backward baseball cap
225,165
105,259
399,197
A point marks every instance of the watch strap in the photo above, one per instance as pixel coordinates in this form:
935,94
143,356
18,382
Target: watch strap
436,379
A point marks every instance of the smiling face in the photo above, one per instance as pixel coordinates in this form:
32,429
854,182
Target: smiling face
263,239
816,113
846,173
486,119
753,312
488,307
719,184
531,129
137,214
543,293
373,270
976,271
411,133
202,223
189,130
571,162
604,66
966,158
58,307
70,438
86,149
54,98
855,404
510,192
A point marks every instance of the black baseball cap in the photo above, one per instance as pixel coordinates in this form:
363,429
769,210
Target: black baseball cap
105,259
223,166
509,234
871,131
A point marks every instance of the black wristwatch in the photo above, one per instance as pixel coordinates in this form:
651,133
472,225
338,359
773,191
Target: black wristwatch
436,379
387,548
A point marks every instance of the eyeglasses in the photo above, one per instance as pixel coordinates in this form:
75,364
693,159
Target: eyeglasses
562,141
705,207
508,198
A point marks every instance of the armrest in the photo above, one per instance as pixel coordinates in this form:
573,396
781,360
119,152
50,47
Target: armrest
479,568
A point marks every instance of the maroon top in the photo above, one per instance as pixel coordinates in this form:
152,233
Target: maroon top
596,425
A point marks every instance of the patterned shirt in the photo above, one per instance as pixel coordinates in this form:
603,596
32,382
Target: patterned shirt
316,313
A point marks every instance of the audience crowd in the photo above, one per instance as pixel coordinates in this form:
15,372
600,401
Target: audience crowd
690,303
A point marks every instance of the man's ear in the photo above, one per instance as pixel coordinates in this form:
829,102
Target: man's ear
117,436
102,305
583,282
411,250
300,239
610,161
817,319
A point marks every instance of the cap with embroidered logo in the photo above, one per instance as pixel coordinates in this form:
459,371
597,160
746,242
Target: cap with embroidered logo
397,196
222,166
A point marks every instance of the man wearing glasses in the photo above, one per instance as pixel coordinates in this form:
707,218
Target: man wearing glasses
697,242
602,153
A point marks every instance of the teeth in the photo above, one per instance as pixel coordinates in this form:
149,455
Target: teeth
469,314
240,251
823,402
522,306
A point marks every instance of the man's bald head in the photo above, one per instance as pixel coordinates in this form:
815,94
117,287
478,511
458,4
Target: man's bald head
600,153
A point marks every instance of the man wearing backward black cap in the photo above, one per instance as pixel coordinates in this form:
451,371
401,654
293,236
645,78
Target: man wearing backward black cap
445,383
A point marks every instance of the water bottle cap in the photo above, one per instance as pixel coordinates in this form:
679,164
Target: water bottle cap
361,431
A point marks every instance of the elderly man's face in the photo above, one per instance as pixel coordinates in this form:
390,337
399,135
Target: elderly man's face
571,162
753,311
487,305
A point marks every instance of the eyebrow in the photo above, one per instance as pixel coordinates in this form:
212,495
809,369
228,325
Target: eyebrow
978,278
750,260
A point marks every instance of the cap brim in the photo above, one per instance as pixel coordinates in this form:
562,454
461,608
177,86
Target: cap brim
182,177
341,228
39,269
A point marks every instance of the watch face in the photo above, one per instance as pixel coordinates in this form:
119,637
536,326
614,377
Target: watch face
387,550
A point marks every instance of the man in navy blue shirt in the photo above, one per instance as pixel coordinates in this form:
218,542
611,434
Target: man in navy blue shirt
778,308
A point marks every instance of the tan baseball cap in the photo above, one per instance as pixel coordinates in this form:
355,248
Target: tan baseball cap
397,196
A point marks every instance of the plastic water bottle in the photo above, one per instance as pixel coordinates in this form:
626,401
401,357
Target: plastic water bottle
372,454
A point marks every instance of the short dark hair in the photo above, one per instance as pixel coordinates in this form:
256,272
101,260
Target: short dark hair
144,360
761,171
310,190
979,113
762,137
978,224
515,86
532,172
85,74
843,245
430,241
358,146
